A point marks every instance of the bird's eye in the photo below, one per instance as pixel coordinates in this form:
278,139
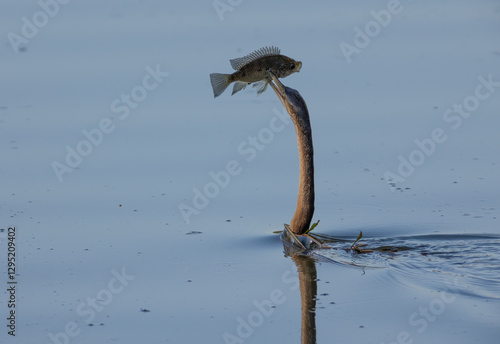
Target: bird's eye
292,65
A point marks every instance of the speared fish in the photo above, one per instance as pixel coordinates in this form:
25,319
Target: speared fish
254,68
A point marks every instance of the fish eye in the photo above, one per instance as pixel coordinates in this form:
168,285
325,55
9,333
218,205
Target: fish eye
292,65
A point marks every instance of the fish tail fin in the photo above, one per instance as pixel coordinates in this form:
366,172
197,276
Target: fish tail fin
219,83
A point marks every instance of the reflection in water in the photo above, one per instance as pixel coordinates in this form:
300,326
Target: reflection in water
453,265
429,261
306,267
308,291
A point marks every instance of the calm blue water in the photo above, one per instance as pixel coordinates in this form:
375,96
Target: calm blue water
108,129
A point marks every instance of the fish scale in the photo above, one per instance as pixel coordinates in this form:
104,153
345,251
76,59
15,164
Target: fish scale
253,68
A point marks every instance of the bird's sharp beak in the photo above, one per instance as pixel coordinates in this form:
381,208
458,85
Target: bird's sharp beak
277,86
299,66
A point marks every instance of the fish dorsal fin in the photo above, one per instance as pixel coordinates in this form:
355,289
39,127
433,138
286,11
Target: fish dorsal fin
257,54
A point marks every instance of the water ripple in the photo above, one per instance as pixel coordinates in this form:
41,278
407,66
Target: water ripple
468,264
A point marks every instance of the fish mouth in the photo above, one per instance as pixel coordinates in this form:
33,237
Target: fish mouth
299,66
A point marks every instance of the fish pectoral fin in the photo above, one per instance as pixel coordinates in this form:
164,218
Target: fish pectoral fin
238,86
262,86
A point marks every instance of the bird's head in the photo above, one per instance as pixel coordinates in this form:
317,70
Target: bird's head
290,98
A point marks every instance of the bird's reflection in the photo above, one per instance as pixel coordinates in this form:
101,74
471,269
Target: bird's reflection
306,267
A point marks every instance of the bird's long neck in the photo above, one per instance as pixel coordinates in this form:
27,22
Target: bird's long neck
305,202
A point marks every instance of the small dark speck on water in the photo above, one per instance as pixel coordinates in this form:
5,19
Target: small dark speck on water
189,281
144,310
228,220
193,232
361,326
